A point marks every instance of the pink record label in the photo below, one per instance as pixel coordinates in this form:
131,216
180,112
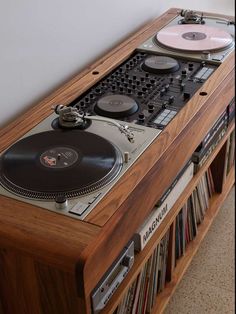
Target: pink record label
194,37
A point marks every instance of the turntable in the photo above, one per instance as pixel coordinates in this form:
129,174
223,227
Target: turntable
67,169
194,36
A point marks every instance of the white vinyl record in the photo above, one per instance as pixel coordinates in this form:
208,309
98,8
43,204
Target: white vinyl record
194,38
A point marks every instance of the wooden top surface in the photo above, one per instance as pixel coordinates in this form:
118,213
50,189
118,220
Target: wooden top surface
68,243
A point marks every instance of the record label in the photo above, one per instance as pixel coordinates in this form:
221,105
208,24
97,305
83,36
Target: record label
59,157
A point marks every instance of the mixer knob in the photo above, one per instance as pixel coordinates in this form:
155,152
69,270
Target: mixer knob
171,79
134,77
165,103
162,92
182,86
98,90
184,72
141,117
129,90
186,96
190,66
147,75
171,99
167,87
140,93
152,81
150,108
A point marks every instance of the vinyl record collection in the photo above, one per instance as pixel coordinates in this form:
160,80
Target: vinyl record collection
192,213
230,153
141,296
142,293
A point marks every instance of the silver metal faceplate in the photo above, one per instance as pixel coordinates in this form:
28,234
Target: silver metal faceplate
216,57
80,207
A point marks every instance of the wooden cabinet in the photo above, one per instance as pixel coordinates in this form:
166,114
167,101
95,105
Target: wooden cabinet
50,263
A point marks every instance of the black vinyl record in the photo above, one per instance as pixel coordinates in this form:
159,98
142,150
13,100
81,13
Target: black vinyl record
54,163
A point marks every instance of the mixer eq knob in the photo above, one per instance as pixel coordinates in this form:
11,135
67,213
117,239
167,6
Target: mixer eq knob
141,117
151,108
171,99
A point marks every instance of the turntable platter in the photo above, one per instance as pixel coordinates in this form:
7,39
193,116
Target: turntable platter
55,163
193,38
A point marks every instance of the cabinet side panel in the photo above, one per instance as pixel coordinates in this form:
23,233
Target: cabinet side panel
18,285
57,291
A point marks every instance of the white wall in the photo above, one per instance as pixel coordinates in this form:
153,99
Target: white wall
43,43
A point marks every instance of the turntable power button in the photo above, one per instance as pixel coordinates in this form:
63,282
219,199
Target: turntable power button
61,202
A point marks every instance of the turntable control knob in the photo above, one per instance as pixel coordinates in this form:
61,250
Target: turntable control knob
128,261
206,55
61,202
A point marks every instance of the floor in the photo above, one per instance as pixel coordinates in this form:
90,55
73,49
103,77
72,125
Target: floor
208,286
